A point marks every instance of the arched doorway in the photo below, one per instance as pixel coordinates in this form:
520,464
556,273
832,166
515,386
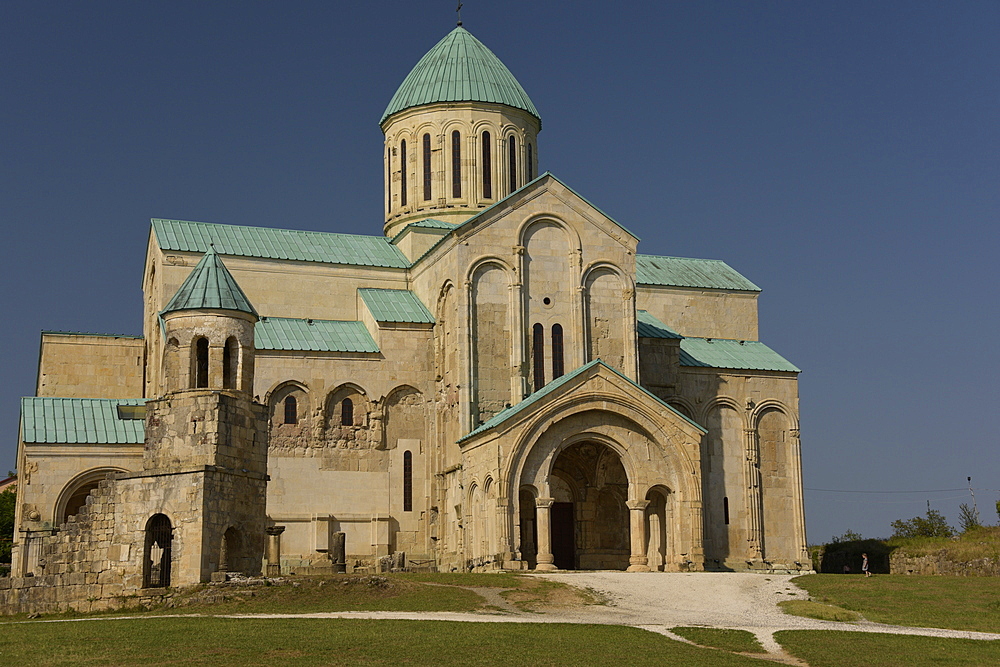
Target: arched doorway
589,520
659,520
156,553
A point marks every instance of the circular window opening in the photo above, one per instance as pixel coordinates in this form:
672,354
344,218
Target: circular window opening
546,301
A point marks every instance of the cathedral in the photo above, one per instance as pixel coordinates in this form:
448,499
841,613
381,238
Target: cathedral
498,381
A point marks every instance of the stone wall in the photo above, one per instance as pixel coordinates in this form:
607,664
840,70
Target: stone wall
90,366
900,563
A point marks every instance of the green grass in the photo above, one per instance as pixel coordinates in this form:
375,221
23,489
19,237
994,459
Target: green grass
961,603
823,648
737,641
248,642
823,612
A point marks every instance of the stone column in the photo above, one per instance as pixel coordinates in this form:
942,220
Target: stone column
637,515
274,550
755,519
543,510
799,501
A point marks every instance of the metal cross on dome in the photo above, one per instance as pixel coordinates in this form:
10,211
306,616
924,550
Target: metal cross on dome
458,10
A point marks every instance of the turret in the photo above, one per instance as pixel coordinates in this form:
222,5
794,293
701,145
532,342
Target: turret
460,134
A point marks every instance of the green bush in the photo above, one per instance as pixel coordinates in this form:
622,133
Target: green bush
933,524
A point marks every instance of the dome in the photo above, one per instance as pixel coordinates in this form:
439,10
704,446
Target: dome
459,69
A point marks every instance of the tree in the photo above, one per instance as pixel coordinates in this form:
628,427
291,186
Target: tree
968,518
848,536
7,501
933,524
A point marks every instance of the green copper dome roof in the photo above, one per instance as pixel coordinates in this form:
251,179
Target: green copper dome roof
459,69
210,285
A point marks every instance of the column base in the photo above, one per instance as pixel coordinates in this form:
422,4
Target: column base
545,567
638,568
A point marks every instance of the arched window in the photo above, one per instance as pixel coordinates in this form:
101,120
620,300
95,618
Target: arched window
407,481
230,359
156,554
201,363
427,167
538,354
512,161
402,173
531,165
456,164
347,412
291,410
725,510
557,351
487,168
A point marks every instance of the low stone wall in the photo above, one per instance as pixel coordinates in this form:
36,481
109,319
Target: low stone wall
900,563
52,593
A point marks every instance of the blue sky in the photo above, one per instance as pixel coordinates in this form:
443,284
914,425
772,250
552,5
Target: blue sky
843,156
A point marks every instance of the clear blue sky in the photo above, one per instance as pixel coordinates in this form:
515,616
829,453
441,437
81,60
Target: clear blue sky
842,155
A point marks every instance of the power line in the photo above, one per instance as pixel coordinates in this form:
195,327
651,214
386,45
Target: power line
931,491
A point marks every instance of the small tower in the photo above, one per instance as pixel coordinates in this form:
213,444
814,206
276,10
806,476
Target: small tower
460,134
205,460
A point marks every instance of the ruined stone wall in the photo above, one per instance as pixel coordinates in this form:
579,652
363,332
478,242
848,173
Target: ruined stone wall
901,563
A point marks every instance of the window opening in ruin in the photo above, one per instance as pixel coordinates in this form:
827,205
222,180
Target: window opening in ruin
291,410
531,166
201,363
230,356
456,164
156,553
557,351
725,510
231,552
78,500
347,412
427,167
487,168
402,173
538,354
512,161
407,481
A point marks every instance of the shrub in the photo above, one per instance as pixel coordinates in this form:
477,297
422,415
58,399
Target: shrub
933,524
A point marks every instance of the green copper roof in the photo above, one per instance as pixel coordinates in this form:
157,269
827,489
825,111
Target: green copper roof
284,333
648,326
395,305
535,397
289,244
80,421
733,354
210,285
684,272
459,69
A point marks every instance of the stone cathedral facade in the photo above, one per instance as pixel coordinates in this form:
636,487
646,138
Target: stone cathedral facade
500,380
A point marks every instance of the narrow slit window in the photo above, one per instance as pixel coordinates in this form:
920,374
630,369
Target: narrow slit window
347,412
725,510
456,164
407,481
291,410
512,161
538,354
531,164
230,356
201,363
487,168
557,351
402,173
427,167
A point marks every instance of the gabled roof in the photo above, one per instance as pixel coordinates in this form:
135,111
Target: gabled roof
80,421
459,68
686,272
429,223
210,285
647,326
288,244
285,333
536,397
395,305
732,354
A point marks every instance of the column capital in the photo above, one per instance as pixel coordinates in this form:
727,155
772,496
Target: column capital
636,505
274,530
544,502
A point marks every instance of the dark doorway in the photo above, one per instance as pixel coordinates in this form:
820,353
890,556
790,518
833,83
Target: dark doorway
563,536
156,560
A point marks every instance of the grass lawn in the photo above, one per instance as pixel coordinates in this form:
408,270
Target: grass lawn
961,603
822,648
245,642
738,641
823,612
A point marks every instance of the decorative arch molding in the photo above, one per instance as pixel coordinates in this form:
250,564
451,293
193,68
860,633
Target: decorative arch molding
723,402
687,408
487,260
87,478
484,125
769,405
572,236
604,265
278,389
